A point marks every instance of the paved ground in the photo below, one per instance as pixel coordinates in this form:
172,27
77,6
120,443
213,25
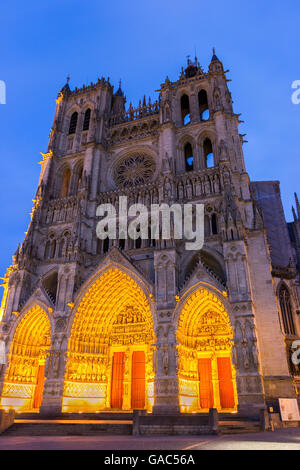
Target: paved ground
287,439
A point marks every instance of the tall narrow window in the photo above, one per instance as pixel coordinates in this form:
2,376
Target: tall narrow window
50,284
73,123
79,179
208,153
188,157
286,311
214,225
106,245
185,110
86,121
53,249
203,105
65,183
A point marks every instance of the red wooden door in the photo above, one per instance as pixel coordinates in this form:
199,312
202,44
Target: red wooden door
38,393
225,382
117,380
138,380
205,383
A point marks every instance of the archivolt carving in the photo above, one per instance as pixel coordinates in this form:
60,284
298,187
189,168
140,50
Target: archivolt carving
204,316
29,345
204,333
112,314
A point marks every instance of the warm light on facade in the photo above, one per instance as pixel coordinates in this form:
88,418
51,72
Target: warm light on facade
204,339
22,389
113,316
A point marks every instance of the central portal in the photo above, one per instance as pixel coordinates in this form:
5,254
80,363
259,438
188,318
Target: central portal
110,363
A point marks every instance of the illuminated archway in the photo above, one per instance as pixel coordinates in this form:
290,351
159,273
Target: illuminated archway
24,378
109,353
204,335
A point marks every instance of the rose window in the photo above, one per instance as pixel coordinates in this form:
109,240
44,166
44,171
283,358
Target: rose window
134,170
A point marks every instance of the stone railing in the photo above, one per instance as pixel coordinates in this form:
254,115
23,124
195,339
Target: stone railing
180,188
134,114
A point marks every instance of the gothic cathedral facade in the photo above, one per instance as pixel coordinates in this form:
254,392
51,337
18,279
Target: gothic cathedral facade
91,325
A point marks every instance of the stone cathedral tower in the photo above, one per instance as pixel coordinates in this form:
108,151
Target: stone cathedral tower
93,325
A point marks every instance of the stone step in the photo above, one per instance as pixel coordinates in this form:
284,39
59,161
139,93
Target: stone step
239,427
103,416
54,427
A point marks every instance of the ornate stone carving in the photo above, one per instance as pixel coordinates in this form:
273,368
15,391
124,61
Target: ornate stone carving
134,170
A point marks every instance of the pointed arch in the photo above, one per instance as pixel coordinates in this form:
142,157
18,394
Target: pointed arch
65,185
205,371
286,309
112,320
24,377
185,109
73,123
86,120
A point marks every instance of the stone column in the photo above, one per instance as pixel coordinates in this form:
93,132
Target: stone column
165,363
166,380
54,378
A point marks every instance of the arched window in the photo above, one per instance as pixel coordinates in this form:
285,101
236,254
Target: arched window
50,285
286,311
203,105
65,183
188,157
78,179
86,121
185,110
73,123
214,224
208,153
53,249
63,245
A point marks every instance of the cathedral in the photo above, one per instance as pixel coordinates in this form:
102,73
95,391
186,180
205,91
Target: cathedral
93,325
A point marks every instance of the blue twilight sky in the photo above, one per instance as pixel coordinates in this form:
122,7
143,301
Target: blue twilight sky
142,42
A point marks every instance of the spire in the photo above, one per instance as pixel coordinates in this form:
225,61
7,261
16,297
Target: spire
214,57
297,205
66,87
119,92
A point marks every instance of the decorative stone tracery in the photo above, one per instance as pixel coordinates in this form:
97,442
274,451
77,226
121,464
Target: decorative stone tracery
134,170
